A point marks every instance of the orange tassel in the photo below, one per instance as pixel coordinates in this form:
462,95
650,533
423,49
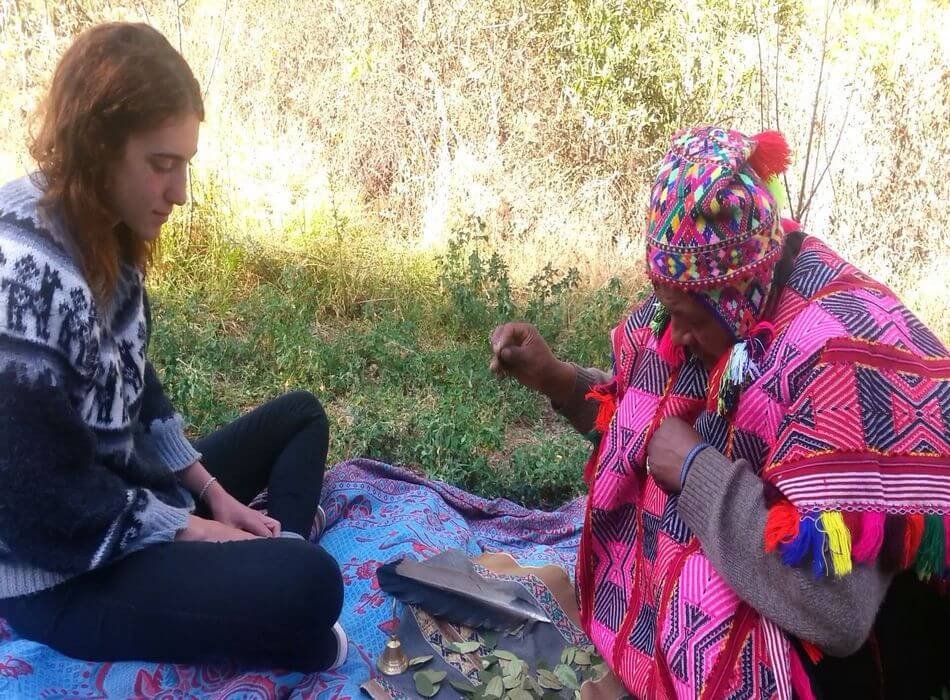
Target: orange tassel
913,534
813,652
771,154
605,414
781,525
608,405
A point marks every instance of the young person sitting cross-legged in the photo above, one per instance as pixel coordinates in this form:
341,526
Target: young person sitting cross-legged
118,538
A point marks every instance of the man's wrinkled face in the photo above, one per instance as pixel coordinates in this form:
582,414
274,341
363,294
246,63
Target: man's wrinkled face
694,326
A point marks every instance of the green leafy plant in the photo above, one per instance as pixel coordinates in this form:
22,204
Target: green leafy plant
505,675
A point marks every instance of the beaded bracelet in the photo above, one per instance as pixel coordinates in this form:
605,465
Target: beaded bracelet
204,489
688,462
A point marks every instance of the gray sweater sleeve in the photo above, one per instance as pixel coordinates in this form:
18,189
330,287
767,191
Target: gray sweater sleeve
61,508
162,433
723,503
162,430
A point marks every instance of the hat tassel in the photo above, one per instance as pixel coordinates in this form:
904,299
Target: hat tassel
740,368
660,320
770,155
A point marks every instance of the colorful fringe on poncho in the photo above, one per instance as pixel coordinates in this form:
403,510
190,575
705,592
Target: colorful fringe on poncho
839,399
861,455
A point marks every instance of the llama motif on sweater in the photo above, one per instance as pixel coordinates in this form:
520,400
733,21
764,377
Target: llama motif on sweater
85,427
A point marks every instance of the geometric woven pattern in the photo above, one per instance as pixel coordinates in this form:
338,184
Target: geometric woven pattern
902,412
698,623
868,432
713,225
672,525
850,412
609,608
643,636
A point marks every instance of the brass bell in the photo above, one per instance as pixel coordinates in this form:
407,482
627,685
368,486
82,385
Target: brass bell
393,660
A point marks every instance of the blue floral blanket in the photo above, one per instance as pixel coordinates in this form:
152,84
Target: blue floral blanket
375,513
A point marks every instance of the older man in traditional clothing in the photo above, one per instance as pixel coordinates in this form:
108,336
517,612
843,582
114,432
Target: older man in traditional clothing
771,448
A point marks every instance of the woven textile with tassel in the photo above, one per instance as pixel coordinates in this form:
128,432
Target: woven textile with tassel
832,391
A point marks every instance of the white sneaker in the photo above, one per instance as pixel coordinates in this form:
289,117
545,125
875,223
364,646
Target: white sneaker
342,646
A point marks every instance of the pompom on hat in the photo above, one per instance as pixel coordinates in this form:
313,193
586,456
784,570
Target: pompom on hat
714,230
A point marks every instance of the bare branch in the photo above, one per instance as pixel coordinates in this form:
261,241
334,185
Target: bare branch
178,7
834,187
821,129
19,14
788,192
820,143
217,53
758,44
844,123
82,11
777,56
814,111
191,185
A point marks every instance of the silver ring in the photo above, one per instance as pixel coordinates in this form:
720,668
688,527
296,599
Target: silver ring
648,465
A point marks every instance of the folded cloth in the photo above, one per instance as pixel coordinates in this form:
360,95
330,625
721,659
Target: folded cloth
558,646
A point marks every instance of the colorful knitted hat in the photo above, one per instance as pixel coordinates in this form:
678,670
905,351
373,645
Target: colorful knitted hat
714,225
714,229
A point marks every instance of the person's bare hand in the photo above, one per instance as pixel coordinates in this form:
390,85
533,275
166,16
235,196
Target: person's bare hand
667,451
230,511
519,351
204,530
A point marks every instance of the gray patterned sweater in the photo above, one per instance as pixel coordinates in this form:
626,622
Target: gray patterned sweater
89,444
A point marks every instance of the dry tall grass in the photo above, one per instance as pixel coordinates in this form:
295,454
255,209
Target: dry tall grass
540,118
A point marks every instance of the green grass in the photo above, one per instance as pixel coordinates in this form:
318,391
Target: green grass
399,357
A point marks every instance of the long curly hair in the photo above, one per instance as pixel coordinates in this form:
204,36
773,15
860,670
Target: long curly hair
114,80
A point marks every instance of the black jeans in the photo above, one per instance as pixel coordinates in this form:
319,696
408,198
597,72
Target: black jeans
258,603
